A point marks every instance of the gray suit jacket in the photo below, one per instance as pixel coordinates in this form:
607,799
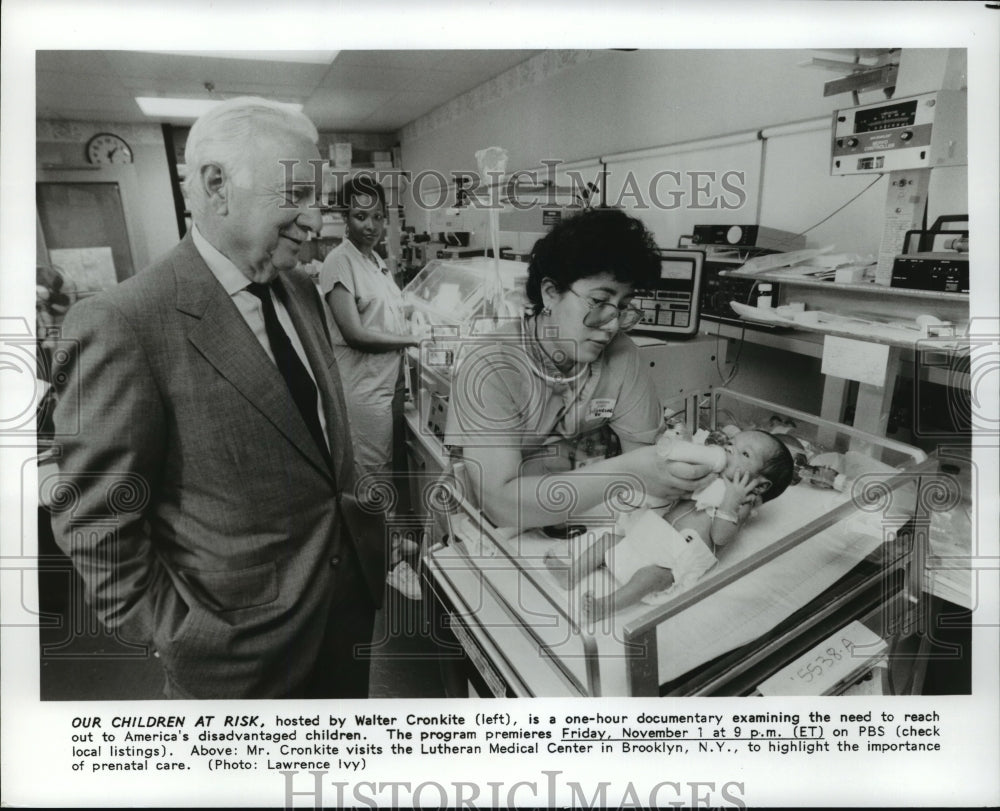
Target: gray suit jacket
195,504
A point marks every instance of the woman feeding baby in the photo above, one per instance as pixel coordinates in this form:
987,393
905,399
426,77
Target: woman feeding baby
655,553
559,402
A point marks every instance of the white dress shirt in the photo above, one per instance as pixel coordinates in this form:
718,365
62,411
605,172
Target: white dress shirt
235,283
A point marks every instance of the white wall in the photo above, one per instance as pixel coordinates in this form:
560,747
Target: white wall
615,102
571,108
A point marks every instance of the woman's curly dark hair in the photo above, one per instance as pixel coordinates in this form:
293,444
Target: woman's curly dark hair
600,240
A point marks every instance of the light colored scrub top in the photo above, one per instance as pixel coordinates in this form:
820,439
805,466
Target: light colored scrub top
369,378
507,393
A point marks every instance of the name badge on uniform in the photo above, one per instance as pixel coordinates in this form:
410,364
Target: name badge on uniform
601,408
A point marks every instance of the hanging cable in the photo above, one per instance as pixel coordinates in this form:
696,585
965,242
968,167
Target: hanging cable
739,347
736,360
718,352
834,212
726,380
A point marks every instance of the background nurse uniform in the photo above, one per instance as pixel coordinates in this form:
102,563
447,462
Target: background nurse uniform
369,334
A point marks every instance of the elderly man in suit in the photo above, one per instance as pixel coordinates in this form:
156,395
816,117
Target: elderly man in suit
206,464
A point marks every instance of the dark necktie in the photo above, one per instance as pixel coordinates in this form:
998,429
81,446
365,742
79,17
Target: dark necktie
300,384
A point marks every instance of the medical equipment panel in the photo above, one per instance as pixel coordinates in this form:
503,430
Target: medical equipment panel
670,309
940,260
916,132
718,289
943,272
747,236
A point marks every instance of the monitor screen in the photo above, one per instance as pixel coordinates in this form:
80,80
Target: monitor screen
680,269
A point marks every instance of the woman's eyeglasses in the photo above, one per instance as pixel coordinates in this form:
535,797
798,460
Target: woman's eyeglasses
600,313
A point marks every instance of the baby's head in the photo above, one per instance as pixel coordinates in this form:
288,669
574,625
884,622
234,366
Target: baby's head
759,453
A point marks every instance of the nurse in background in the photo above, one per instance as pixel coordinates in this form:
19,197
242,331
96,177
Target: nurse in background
370,334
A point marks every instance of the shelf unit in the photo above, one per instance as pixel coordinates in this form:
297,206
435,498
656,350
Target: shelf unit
908,356
865,299
859,287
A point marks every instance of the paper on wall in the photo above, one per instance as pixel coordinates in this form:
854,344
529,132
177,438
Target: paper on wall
90,269
862,361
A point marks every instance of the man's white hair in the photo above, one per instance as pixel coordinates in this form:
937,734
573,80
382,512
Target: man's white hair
225,136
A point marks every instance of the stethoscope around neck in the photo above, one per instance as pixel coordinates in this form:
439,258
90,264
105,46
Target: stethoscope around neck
560,380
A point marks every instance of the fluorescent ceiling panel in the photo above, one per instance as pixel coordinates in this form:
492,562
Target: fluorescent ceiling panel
187,108
309,57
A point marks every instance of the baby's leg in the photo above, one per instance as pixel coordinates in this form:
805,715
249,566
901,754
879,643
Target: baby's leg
589,560
647,580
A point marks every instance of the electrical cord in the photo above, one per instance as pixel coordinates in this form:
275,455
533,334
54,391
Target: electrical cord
726,380
718,352
739,347
736,360
834,212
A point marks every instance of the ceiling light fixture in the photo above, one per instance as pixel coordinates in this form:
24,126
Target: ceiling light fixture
307,57
187,108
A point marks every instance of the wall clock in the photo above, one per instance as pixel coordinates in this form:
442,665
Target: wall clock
108,148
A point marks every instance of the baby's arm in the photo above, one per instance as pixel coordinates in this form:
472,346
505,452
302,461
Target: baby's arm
719,525
726,519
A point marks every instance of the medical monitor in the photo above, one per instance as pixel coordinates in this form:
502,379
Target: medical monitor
670,309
